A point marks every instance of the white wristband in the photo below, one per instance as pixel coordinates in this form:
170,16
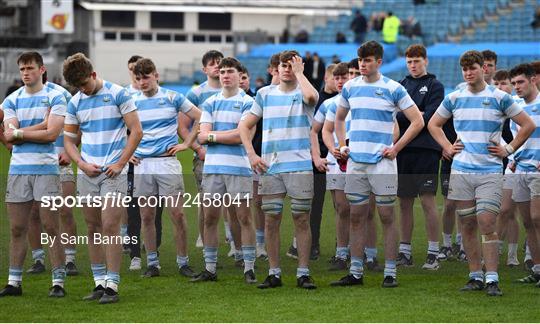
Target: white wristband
18,134
344,150
509,149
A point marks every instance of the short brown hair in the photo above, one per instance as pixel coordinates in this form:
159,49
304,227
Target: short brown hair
341,69
416,50
371,48
525,68
134,59
536,66
29,57
77,68
286,56
469,58
230,62
489,55
144,66
501,75
274,60
211,56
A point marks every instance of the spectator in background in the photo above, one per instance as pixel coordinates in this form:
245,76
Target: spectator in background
302,36
259,83
340,38
377,20
411,28
335,59
14,86
316,75
284,36
359,27
390,29
536,21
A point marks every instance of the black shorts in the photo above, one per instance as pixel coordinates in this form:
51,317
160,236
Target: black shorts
446,166
417,172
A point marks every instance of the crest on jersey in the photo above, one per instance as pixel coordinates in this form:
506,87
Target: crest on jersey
45,102
106,99
170,96
379,92
161,101
423,90
486,102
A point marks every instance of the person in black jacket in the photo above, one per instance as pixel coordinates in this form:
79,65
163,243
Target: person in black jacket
418,162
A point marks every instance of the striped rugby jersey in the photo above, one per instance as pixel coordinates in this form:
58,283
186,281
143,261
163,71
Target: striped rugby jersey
478,120
159,119
373,108
330,107
286,127
224,114
101,123
528,155
30,109
199,94
59,144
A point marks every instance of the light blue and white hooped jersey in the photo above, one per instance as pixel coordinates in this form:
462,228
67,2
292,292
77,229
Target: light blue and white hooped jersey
100,118
373,107
131,90
331,107
224,114
286,127
478,121
199,94
159,119
59,144
527,156
30,109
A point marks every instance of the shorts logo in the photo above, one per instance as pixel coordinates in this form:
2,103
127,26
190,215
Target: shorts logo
423,90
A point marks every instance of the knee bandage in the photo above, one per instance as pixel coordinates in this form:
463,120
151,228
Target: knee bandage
488,205
357,199
300,206
467,212
272,206
490,238
385,200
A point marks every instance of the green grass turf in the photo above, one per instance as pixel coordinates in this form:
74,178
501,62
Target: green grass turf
421,297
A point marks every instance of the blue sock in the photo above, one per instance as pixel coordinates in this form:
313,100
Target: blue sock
210,258
477,275
371,253
390,268
99,271
492,276
123,230
15,276
182,261
249,256
238,255
342,253
275,271
58,276
357,267
113,279
302,272
38,254
259,236
152,259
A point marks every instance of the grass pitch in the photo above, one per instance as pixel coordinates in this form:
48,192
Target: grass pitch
423,296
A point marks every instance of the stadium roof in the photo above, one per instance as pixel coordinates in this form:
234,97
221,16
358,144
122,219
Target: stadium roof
285,7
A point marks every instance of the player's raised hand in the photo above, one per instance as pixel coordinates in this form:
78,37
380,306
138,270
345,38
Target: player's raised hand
297,65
